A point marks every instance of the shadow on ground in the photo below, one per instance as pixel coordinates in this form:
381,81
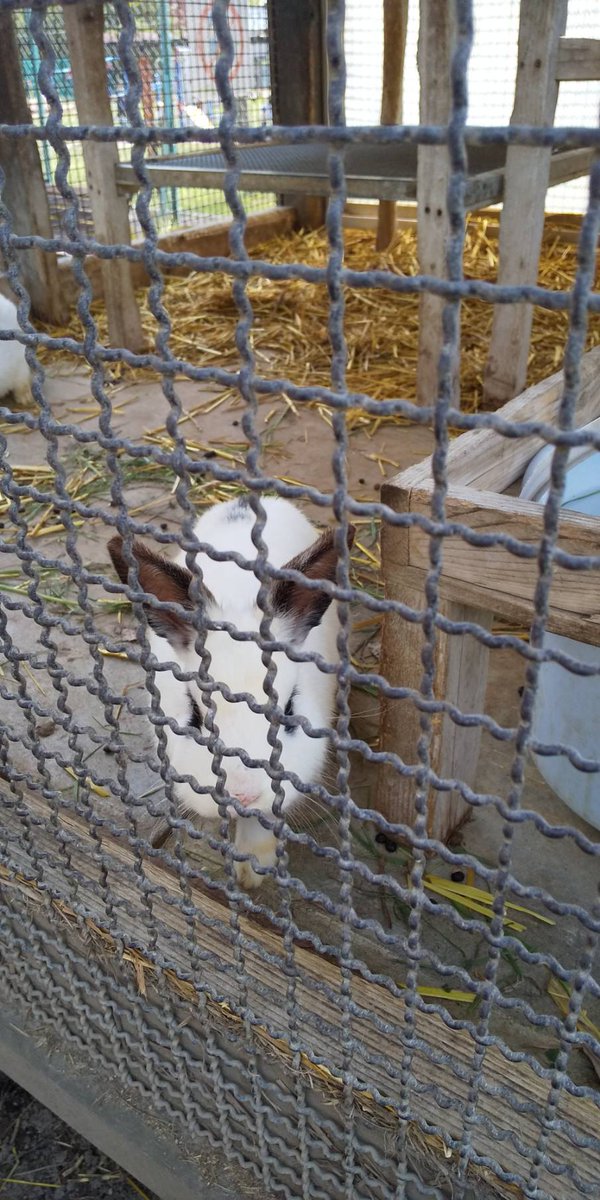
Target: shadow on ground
41,1156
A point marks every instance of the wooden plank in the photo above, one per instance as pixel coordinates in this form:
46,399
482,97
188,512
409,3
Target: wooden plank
362,208
361,214
317,1029
517,612
488,460
504,576
489,186
483,189
24,191
542,22
395,22
571,164
400,665
298,86
213,239
456,749
84,25
481,463
436,41
416,475
171,175
293,183
204,240
461,665
578,58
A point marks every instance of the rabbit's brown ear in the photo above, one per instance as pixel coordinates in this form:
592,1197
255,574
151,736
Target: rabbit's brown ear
306,606
163,579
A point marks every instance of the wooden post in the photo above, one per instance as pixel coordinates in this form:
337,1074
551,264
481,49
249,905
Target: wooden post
525,184
24,191
436,41
84,24
296,47
395,21
461,668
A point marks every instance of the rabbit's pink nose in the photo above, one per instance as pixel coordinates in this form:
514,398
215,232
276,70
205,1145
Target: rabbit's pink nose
247,799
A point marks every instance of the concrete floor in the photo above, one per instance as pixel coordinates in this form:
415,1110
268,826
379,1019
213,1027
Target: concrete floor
300,447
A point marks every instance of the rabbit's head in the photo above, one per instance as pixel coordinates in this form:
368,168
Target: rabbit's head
303,620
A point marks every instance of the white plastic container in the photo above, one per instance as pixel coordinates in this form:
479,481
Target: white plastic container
567,707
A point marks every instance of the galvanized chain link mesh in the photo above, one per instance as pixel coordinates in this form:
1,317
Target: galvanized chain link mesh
240,985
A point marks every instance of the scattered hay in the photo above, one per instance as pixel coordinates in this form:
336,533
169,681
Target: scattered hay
290,335
290,339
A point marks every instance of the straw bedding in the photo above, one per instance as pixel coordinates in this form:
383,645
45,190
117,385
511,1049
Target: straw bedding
290,335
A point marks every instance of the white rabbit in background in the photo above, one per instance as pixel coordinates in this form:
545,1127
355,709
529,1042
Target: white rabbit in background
301,616
14,372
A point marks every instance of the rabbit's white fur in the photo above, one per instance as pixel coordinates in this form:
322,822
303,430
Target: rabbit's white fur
14,372
301,687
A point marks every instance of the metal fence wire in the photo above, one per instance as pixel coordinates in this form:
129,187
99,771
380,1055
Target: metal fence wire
175,46
292,1027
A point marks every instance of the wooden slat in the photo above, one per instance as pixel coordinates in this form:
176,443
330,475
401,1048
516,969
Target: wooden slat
460,678
436,42
483,189
360,214
395,22
491,461
293,183
203,240
84,25
489,186
362,208
578,58
505,578
542,22
510,608
571,164
318,1021
24,192
460,665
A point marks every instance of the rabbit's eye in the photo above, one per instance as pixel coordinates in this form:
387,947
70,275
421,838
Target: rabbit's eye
196,717
289,711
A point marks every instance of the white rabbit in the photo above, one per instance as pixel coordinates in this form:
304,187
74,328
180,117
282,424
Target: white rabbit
301,616
14,372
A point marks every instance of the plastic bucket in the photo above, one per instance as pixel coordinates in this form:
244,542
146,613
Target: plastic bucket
567,707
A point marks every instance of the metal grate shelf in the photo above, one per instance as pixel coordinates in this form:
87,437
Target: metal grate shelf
374,172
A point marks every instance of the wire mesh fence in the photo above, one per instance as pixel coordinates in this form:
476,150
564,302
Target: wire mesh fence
492,71
176,50
357,1025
